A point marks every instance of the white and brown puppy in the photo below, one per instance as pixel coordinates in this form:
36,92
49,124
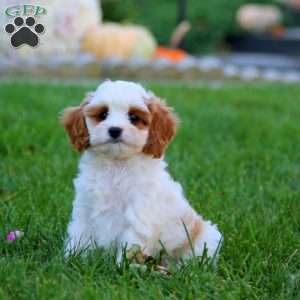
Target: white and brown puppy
124,194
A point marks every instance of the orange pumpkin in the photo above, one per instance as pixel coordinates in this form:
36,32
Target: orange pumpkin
115,40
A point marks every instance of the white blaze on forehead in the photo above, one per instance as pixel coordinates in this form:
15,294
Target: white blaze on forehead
121,94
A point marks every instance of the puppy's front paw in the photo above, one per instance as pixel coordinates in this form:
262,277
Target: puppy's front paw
135,254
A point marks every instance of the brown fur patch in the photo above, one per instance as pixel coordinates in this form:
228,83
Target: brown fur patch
162,128
194,231
143,118
74,124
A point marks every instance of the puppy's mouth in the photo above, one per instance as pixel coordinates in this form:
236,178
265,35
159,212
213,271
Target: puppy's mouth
120,141
115,141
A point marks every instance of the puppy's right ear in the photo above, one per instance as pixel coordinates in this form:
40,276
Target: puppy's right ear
74,123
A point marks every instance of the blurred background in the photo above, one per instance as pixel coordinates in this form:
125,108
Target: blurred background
161,40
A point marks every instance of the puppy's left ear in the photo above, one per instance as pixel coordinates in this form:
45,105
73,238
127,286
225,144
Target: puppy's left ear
162,128
74,123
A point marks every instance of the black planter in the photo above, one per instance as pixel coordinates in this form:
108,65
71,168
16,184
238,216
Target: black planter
294,15
265,44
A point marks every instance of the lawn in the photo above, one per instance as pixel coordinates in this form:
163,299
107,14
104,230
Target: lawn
237,155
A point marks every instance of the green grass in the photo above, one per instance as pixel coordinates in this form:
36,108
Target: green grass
237,154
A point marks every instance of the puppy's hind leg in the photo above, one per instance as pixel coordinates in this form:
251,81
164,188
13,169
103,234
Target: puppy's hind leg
209,238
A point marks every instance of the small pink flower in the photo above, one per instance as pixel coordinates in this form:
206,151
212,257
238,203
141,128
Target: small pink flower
14,235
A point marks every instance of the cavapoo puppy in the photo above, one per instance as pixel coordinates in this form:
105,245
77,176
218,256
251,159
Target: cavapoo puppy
124,193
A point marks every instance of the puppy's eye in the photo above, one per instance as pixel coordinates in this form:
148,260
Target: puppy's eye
97,113
134,118
103,115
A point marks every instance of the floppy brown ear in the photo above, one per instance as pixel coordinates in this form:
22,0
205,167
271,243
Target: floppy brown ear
162,128
74,123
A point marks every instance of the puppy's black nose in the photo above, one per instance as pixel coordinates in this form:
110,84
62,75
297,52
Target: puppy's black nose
115,132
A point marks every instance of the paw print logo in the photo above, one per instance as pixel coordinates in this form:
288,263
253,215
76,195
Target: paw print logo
24,32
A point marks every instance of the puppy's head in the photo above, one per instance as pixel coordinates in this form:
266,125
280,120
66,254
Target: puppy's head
120,119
